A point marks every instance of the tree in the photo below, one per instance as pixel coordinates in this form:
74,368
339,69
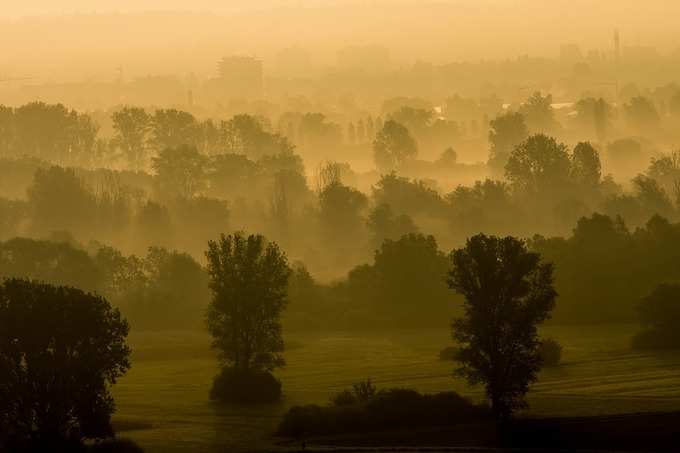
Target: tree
180,171
60,351
131,126
384,224
393,146
538,165
410,280
586,169
538,113
659,314
249,282
641,113
505,133
59,200
508,291
172,128
340,212
245,134
594,114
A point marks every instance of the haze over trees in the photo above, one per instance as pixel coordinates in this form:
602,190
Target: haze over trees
387,188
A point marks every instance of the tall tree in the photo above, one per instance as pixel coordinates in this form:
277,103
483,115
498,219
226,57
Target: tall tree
393,146
249,281
538,165
60,351
594,114
131,126
180,171
506,131
586,169
172,128
538,113
508,291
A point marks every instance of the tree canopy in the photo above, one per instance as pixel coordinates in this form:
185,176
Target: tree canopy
508,291
60,351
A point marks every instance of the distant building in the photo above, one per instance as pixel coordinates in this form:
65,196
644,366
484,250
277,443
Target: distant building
238,77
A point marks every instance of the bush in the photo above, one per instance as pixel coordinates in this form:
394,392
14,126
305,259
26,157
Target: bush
236,386
656,339
386,409
449,354
659,316
116,446
361,392
344,398
551,352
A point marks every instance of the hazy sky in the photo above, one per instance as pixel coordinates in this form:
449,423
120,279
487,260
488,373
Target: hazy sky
430,30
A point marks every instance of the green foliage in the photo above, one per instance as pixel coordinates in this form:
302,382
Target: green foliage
60,350
508,292
249,281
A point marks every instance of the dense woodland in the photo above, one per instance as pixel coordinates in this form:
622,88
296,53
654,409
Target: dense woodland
128,214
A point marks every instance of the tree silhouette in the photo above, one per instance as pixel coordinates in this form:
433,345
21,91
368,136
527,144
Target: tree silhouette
60,350
393,146
249,281
508,292
539,165
180,171
131,126
538,113
505,132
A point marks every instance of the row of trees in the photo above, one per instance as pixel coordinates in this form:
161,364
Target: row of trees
61,348
507,289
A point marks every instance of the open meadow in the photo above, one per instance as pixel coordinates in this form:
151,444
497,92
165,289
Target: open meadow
163,401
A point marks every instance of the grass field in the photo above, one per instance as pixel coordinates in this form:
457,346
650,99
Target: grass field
163,401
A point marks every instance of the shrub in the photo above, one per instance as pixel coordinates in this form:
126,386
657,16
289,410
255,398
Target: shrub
386,409
364,390
343,398
449,353
236,386
361,392
116,446
551,352
659,316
